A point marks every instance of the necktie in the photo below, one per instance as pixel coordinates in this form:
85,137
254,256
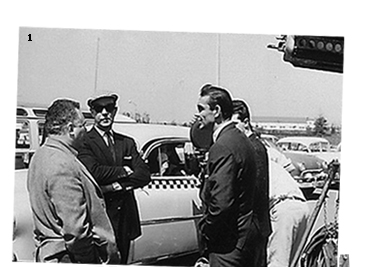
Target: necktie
111,145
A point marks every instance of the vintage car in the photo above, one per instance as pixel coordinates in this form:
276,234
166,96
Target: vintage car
317,146
169,206
309,170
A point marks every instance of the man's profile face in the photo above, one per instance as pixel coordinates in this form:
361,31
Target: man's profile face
79,129
104,113
205,114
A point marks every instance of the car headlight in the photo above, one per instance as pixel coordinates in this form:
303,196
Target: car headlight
308,176
324,165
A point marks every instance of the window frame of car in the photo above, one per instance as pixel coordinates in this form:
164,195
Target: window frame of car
321,146
149,147
34,134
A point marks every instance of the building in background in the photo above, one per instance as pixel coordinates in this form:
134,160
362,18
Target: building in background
282,124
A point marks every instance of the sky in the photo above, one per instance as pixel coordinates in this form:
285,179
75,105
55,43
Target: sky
161,72
248,70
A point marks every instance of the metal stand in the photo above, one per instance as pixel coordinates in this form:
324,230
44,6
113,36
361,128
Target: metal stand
334,166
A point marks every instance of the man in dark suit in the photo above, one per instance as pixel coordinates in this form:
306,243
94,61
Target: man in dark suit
117,167
261,205
70,221
228,225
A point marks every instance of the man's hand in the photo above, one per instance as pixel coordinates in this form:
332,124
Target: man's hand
196,117
113,255
128,170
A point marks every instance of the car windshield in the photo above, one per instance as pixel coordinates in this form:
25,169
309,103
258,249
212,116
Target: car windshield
22,136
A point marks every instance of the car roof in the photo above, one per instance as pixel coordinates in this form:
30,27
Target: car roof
306,140
145,132
268,136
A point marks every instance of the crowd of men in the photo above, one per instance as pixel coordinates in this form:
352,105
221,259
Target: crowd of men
81,188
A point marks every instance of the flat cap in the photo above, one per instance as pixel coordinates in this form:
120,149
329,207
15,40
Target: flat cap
102,100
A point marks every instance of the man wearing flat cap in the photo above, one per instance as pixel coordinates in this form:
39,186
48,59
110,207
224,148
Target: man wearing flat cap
116,165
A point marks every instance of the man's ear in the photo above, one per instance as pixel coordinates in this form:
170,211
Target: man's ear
70,129
218,112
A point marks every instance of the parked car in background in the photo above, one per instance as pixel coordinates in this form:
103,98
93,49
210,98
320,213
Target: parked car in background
169,206
270,137
309,170
317,146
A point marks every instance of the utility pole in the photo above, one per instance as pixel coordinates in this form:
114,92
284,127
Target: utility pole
96,66
218,59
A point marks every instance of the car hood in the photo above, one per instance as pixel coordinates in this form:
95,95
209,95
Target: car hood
310,161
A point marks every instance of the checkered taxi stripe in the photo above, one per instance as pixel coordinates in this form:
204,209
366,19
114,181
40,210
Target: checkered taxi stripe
160,184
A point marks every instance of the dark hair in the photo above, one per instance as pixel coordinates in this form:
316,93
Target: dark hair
59,114
241,108
218,96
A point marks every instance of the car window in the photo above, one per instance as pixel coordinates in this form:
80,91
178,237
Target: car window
284,146
41,124
172,159
302,148
21,112
315,147
22,134
22,143
40,112
325,147
294,146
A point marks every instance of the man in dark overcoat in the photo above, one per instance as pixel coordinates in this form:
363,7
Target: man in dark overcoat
116,165
228,226
241,116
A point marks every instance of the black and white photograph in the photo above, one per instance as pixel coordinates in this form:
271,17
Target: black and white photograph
183,146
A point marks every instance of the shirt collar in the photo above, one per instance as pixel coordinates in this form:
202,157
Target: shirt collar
102,133
220,128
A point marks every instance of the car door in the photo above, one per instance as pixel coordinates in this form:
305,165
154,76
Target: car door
169,206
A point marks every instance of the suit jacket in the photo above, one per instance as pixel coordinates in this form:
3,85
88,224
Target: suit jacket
68,207
228,192
261,206
97,157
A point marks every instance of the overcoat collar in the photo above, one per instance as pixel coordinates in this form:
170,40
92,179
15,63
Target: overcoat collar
221,128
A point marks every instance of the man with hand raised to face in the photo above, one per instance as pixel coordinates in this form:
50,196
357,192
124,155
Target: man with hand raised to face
117,167
228,227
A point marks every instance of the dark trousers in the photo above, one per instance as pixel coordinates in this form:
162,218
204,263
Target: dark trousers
261,252
124,248
117,218
235,258
249,253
